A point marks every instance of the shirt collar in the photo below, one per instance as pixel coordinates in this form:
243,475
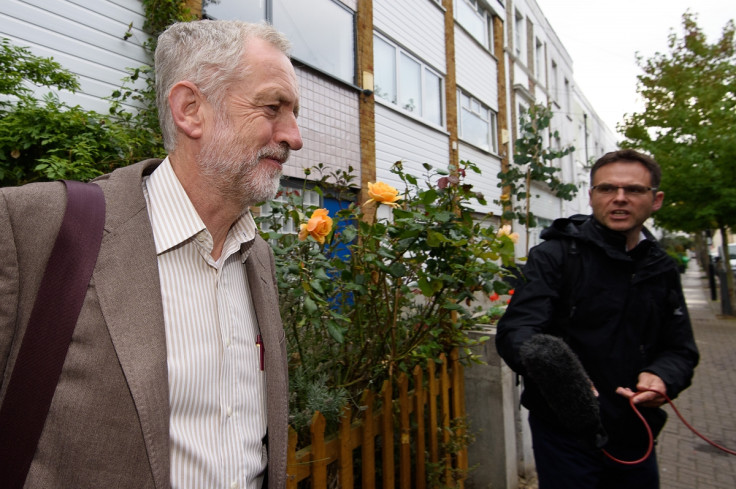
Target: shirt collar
175,220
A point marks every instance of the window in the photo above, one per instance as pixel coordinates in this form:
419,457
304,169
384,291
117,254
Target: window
311,198
566,95
331,50
476,20
385,70
518,34
534,233
521,111
478,123
553,82
539,59
403,80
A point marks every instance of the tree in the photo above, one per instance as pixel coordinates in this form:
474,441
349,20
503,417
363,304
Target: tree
532,163
687,125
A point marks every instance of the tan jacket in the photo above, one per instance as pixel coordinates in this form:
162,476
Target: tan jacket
108,425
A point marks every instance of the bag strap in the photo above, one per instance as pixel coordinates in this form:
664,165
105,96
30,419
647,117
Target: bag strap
571,273
48,335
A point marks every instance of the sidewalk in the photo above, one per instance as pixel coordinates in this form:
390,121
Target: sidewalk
709,405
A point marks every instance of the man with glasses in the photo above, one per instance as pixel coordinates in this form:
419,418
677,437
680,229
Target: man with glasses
603,286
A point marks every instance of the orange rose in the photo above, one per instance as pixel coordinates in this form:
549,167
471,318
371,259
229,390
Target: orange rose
318,226
383,193
506,231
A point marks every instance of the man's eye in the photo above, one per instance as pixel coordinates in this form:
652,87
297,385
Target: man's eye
635,189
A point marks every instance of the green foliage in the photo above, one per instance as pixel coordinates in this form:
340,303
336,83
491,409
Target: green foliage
47,139
17,65
532,163
459,437
687,125
381,295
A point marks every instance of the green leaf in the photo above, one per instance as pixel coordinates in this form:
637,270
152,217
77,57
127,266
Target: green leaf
397,270
309,305
335,332
435,239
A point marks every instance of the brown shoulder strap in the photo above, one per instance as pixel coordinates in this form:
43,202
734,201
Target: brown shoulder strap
48,335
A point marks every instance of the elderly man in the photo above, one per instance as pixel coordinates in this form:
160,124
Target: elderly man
176,374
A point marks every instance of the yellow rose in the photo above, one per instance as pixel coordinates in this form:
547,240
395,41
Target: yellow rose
506,231
383,194
318,226
505,197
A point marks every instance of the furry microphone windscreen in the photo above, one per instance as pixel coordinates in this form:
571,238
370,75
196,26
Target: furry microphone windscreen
560,377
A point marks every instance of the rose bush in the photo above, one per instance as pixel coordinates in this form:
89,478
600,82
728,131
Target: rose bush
364,298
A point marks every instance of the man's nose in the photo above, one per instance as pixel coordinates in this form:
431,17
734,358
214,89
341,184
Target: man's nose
288,132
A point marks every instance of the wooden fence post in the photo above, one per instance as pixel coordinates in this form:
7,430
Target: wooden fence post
368,449
387,433
458,411
445,393
291,466
345,452
421,476
319,452
434,451
405,438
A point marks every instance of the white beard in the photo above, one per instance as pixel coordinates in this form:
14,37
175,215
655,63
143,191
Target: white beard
235,170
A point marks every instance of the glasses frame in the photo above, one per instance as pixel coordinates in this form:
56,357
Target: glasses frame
626,188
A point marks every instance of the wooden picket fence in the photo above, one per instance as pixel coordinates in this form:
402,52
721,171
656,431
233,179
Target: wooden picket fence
421,418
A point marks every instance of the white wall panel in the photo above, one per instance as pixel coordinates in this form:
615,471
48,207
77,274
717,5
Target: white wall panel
418,25
328,120
84,36
487,181
544,204
477,70
401,138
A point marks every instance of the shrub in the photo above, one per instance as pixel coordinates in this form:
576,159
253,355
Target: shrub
363,298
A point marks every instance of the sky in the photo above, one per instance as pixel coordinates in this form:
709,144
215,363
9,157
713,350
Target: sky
603,37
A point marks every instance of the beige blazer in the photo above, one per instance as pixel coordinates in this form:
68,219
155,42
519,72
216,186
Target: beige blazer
108,425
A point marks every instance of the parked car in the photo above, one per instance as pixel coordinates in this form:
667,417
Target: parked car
732,256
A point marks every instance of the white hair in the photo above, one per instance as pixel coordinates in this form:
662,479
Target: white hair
209,54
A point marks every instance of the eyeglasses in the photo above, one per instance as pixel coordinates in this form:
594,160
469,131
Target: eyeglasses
630,190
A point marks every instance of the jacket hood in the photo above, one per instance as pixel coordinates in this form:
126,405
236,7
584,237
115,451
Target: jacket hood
585,229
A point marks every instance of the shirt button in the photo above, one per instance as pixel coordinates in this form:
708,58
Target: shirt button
229,411
228,342
234,485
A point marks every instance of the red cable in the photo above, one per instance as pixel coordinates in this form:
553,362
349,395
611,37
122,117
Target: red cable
651,437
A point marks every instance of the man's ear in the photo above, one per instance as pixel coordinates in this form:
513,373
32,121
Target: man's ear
658,199
187,103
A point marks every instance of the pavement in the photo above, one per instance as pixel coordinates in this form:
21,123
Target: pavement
686,461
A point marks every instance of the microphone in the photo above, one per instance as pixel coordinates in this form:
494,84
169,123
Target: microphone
565,386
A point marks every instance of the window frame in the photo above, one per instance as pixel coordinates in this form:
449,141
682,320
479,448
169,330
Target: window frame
308,196
519,34
268,16
424,68
491,120
486,17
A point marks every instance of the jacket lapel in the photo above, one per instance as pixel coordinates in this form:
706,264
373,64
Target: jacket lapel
128,287
260,269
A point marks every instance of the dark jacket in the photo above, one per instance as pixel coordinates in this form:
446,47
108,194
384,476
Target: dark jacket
628,315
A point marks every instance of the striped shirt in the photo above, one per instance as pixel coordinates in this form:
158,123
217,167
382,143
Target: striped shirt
216,382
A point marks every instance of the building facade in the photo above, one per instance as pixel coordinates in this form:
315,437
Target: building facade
417,81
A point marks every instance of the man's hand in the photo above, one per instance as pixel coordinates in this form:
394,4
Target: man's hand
647,380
